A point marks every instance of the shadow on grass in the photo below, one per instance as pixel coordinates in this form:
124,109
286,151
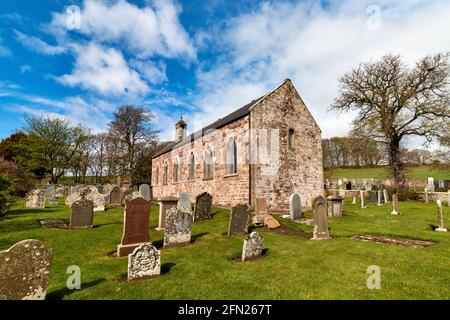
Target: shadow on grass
166,267
197,236
64,292
214,212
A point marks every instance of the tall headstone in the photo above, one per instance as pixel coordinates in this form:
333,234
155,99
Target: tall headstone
440,227
177,231
144,189
362,195
354,200
184,200
395,210
82,214
426,195
165,204
441,184
238,220
35,199
135,226
295,207
321,231
253,246
24,270
385,196
380,195
144,262
372,196
97,199
50,195
203,204
336,205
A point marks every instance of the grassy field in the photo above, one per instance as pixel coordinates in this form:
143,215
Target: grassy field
421,172
293,267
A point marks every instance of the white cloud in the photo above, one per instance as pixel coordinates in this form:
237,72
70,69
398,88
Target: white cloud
104,71
314,46
4,51
37,45
25,68
154,29
155,72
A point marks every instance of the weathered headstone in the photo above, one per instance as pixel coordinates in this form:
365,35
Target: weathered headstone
270,222
165,204
144,262
441,184
362,195
440,227
385,196
24,270
82,214
203,204
53,224
238,220
426,195
71,198
321,220
135,226
380,195
354,200
261,206
184,200
133,195
395,210
144,189
336,204
177,231
97,199
253,246
50,195
372,196
295,207
35,199
115,196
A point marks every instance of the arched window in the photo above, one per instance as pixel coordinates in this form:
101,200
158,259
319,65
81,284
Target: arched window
208,165
291,136
175,172
191,167
165,174
157,176
231,157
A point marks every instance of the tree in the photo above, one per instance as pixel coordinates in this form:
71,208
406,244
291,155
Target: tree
394,101
132,127
52,144
11,148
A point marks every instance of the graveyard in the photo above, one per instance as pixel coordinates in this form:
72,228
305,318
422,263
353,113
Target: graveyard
292,266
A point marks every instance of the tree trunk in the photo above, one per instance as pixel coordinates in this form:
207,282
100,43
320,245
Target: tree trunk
397,164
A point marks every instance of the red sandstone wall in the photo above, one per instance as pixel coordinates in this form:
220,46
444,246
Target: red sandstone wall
226,190
301,169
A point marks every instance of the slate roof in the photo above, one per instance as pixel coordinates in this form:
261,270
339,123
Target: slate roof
235,115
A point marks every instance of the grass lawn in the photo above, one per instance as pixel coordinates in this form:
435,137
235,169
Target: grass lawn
293,267
382,172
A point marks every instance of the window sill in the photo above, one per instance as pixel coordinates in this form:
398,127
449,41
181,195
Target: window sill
191,180
206,179
230,175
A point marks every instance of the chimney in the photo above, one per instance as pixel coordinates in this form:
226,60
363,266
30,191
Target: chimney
180,129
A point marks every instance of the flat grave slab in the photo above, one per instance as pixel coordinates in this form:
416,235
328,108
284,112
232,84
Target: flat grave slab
394,240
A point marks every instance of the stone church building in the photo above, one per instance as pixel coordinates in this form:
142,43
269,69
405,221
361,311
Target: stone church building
269,148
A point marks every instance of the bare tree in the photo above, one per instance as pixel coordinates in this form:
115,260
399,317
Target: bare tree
395,101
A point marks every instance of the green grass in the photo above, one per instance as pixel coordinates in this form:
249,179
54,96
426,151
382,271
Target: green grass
293,267
382,172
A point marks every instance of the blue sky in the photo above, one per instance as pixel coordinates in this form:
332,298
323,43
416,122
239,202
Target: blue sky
199,59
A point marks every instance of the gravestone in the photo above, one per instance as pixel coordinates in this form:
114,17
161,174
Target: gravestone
70,199
203,204
50,195
426,195
372,196
135,226
380,195
144,190
253,246
184,200
261,206
24,270
440,227
270,222
133,195
395,205
336,204
144,262
348,185
97,199
35,199
177,231
448,198
295,207
115,196
354,200
73,189
441,184
362,195
81,214
385,196
238,220
321,220
165,204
